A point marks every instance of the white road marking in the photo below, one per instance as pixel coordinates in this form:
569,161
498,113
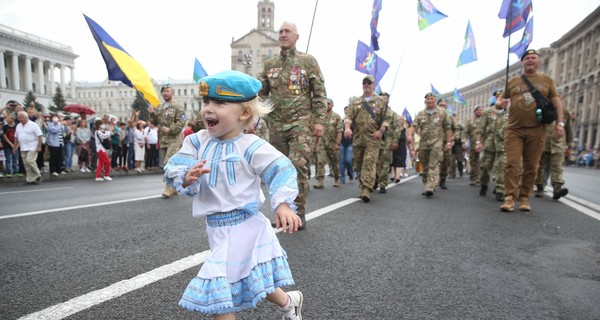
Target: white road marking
88,300
89,205
35,190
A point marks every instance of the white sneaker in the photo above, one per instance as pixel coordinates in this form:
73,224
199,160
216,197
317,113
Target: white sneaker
87,170
55,174
99,179
82,170
296,299
107,178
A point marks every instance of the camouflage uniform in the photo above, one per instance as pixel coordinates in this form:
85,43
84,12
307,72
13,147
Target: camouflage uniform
447,155
553,157
325,150
262,130
432,127
491,130
294,83
469,134
365,148
170,116
386,152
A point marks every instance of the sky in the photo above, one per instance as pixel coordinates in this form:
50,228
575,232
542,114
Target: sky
166,36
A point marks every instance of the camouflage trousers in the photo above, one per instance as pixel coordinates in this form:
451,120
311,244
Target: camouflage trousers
166,151
493,160
475,165
430,159
327,155
296,144
445,164
365,160
383,166
550,166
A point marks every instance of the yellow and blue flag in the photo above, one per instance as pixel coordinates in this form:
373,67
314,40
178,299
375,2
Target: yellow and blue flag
121,66
427,14
199,71
469,52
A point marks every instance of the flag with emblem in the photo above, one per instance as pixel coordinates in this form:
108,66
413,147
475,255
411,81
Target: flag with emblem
427,14
121,66
374,22
407,117
515,12
368,62
434,91
199,71
469,52
458,98
520,48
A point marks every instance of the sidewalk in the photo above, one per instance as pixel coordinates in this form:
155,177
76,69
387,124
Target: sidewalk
6,181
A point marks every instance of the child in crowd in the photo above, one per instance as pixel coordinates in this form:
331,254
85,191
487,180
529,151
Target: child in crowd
222,168
102,135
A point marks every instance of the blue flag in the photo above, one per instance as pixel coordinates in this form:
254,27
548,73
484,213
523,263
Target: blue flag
368,62
199,71
406,116
520,48
469,52
427,14
374,22
121,66
459,97
516,17
437,93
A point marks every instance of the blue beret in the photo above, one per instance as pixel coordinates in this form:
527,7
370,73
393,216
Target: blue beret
231,86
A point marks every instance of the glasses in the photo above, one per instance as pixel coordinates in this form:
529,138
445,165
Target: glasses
367,81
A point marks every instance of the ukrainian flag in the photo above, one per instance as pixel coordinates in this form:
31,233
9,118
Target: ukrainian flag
121,66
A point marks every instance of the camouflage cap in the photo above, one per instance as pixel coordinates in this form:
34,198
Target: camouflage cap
479,106
370,78
230,86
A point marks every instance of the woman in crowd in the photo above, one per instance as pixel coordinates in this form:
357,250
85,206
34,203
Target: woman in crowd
83,134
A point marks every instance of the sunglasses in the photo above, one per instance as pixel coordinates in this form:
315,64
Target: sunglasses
367,81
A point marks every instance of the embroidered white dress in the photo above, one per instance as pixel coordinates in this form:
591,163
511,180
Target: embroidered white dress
246,260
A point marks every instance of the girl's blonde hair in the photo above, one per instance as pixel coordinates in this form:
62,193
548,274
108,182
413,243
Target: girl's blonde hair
258,108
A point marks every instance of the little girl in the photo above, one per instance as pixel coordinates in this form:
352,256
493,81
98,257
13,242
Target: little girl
222,168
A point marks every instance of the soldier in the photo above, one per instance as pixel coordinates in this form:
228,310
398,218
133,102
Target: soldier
469,134
457,157
434,126
489,138
442,103
525,134
368,114
294,83
329,147
170,120
390,143
553,157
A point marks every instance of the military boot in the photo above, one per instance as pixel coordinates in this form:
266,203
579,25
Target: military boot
167,192
336,183
365,195
559,191
539,191
508,205
483,190
319,184
443,184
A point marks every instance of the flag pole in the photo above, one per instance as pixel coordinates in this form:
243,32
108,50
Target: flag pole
400,63
508,50
311,24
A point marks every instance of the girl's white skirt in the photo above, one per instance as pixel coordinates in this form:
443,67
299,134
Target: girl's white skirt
246,263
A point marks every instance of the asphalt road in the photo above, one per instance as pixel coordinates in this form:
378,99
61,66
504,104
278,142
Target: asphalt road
80,249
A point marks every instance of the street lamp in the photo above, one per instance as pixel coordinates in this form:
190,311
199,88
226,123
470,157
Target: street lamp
248,63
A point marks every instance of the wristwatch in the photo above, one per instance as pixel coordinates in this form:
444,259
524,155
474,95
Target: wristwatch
562,124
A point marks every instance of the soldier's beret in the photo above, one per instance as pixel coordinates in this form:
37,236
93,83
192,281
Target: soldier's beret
230,86
329,100
496,92
528,52
477,107
430,94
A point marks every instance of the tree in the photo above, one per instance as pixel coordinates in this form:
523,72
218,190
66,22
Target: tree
140,104
29,98
59,100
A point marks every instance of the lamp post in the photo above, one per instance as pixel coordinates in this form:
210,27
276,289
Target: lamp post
248,63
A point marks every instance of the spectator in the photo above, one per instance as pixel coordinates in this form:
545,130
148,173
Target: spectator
83,136
151,134
28,137
140,142
8,141
101,134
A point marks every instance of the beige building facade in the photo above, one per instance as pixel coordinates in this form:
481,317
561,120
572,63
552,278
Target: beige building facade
31,63
573,61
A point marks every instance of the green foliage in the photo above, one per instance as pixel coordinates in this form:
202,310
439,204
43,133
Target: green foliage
140,104
59,100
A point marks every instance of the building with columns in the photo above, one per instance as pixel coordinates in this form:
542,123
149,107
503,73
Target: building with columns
573,61
30,63
251,50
